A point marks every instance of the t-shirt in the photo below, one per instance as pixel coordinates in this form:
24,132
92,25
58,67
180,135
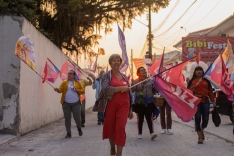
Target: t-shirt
71,95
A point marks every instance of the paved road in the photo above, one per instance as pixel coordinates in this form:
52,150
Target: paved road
49,141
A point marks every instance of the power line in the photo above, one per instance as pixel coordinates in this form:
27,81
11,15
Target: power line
206,14
183,25
177,19
193,13
164,21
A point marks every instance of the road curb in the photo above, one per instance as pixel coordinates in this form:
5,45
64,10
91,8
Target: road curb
207,131
10,141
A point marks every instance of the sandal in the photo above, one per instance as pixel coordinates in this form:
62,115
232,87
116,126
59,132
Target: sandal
200,141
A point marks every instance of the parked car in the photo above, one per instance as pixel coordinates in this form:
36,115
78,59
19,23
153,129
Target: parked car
224,106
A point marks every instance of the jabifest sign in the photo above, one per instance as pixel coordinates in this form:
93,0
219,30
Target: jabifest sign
208,47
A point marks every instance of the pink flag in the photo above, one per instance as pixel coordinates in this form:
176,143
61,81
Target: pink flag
50,72
67,66
175,75
218,75
181,100
154,69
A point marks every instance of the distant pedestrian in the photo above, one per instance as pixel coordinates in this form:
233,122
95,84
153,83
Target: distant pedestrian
201,88
70,100
98,86
115,100
165,125
84,83
144,102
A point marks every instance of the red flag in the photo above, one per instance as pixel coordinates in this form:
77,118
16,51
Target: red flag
175,75
50,72
67,66
181,100
218,75
157,66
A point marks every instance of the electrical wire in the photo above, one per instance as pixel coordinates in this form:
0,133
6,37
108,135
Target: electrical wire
193,13
206,14
177,19
165,20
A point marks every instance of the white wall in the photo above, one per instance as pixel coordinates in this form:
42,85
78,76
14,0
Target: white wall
90,97
39,104
26,103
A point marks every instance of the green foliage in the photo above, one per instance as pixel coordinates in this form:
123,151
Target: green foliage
75,24
25,8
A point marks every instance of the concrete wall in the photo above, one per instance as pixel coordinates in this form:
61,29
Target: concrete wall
9,75
25,102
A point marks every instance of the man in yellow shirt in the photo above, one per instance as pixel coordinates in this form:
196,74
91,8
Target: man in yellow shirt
84,83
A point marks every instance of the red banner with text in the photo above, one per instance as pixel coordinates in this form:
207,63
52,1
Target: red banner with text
208,47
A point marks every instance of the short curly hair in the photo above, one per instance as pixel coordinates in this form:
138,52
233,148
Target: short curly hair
114,56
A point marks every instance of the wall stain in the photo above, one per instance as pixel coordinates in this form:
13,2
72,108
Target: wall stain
8,90
13,66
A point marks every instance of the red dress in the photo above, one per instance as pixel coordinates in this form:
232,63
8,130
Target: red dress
116,114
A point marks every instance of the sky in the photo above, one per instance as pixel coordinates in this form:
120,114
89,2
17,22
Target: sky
203,14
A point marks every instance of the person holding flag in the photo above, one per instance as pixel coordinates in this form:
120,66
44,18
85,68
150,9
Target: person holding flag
201,88
144,101
71,101
115,102
97,85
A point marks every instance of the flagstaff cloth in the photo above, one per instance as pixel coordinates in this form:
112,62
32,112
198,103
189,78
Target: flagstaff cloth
116,114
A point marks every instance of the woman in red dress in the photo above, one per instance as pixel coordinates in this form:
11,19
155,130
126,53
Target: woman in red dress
115,99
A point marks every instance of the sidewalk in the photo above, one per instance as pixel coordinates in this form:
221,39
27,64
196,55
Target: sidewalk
7,138
224,131
50,141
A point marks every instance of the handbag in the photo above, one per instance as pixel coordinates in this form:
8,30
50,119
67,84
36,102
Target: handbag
95,107
215,117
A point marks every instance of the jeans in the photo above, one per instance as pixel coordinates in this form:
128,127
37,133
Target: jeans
83,112
203,110
73,108
100,117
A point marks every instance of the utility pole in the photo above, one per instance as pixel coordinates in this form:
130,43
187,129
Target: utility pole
149,35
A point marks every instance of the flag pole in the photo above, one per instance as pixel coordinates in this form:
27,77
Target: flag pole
40,76
131,69
81,70
158,73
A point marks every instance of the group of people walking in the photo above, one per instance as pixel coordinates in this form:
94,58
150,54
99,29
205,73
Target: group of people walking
115,103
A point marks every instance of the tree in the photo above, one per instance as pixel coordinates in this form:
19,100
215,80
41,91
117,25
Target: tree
26,8
74,25
77,23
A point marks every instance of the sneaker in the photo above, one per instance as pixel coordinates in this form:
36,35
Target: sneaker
68,135
163,131
153,136
139,136
169,132
82,125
